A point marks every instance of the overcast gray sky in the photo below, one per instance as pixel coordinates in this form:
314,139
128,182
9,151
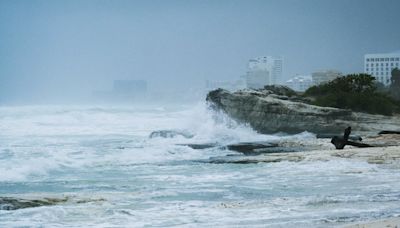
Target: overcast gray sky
69,48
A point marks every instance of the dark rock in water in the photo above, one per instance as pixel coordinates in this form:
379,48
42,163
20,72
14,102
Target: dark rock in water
241,159
10,203
278,149
248,147
257,148
13,203
170,134
329,136
200,146
265,112
388,132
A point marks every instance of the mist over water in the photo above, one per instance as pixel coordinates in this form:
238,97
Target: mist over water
83,84
54,52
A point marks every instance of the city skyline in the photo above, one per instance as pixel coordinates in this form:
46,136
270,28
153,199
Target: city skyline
70,48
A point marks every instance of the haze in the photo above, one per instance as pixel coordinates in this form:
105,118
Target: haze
57,51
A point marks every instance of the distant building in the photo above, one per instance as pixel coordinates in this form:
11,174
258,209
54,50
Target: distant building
381,65
257,79
300,83
320,77
265,70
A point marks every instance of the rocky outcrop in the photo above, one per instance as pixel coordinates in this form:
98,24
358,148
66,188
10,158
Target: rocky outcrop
383,155
252,148
10,203
274,109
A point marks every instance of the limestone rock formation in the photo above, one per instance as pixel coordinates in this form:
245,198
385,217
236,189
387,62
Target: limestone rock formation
276,109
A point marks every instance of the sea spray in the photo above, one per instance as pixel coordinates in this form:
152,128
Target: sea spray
105,153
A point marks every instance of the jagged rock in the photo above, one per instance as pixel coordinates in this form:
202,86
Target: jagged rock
269,114
279,97
257,148
199,146
14,203
10,203
256,159
170,134
251,150
250,147
280,90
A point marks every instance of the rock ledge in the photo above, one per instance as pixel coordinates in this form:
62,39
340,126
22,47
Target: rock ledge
267,111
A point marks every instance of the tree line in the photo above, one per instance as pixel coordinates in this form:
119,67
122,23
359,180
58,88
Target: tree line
358,92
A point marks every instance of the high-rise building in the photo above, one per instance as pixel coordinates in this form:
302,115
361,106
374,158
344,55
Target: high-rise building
300,83
324,76
380,66
265,70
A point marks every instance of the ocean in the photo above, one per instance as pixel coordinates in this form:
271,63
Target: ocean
100,162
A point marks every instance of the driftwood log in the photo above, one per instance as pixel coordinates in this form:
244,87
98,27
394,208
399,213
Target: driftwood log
388,132
329,136
341,142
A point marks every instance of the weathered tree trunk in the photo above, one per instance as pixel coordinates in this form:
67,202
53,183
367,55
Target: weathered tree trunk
388,132
341,142
329,136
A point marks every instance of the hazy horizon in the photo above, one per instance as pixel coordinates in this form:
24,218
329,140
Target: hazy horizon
64,50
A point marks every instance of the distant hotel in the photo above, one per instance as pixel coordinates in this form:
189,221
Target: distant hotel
324,76
381,65
300,83
265,70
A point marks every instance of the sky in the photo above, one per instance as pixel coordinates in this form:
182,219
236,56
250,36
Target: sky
67,49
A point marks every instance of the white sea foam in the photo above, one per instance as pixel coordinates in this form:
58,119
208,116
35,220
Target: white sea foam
40,139
106,152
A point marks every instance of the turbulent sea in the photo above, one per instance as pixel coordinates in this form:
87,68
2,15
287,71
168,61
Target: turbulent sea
111,174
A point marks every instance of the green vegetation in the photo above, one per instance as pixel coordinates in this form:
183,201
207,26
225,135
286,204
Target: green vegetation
394,88
357,92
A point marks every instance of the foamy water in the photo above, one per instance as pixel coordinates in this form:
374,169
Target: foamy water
116,176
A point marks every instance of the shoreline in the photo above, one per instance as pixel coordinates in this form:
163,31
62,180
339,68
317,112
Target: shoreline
388,155
386,152
377,155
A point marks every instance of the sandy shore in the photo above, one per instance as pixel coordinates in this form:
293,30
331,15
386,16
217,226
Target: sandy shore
385,223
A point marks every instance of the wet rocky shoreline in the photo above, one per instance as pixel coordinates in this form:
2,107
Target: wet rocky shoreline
386,150
275,109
